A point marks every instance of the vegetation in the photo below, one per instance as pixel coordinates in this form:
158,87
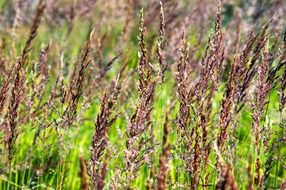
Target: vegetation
128,94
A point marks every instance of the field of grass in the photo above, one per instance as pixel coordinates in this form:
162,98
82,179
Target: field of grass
135,94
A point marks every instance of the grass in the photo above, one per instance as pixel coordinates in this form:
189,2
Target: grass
142,95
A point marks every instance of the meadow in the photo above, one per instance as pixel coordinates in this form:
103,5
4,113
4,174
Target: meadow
134,94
